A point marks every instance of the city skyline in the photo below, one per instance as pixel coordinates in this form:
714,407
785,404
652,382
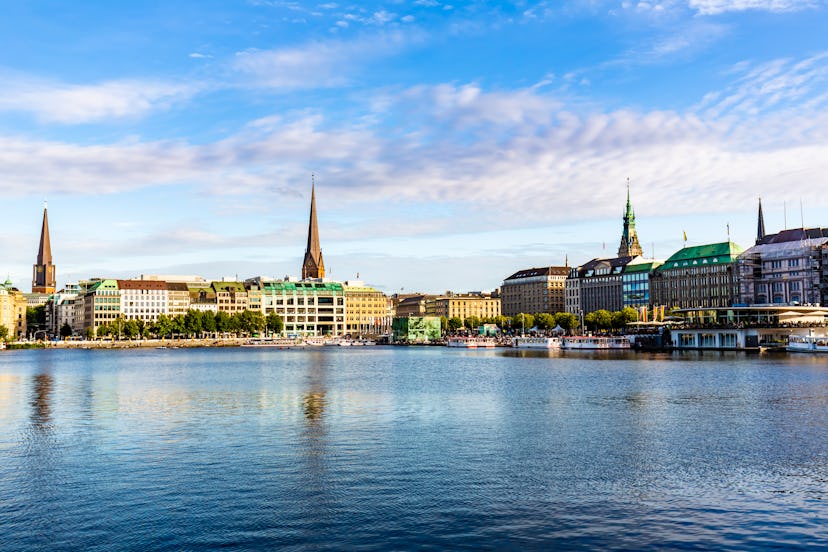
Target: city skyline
452,145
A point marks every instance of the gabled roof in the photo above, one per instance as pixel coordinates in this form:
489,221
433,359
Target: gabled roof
142,284
702,255
616,265
543,271
794,234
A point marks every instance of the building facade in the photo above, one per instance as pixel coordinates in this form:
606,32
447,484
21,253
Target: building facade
698,277
635,282
368,310
100,303
143,299
600,285
785,268
12,310
462,306
534,290
307,308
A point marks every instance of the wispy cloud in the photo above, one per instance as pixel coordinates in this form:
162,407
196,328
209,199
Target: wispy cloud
715,7
64,103
316,64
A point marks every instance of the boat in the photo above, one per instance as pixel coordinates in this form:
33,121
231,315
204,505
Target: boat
591,342
526,342
808,344
471,342
277,343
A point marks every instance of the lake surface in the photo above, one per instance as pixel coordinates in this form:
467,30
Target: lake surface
399,448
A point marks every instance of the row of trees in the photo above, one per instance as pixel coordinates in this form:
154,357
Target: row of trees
544,321
193,324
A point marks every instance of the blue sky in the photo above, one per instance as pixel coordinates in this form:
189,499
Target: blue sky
453,143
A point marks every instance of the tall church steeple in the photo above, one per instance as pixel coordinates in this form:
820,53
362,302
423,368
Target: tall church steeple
43,273
629,238
760,224
313,265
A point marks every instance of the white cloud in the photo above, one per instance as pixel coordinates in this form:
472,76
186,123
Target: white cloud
66,103
715,7
317,64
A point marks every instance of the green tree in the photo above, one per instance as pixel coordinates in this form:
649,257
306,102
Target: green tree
274,322
234,324
163,326
472,322
4,332
89,333
603,319
192,323
130,329
443,325
454,323
104,330
208,322
222,322
178,326
566,320
523,321
251,322
503,322
544,321
65,330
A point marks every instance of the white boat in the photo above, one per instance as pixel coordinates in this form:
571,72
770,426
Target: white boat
525,342
277,343
808,344
471,342
591,342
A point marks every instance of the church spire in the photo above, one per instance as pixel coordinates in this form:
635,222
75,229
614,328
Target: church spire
760,224
43,277
313,265
629,237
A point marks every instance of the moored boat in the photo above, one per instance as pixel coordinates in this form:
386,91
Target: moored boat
471,342
277,343
808,344
525,342
592,342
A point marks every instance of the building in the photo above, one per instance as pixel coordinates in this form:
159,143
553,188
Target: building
788,267
313,266
417,329
60,310
462,306
702,276
231,297
599,285
12,310
100,303
178,298
43,273
368,310
635,282
534,290
202,297
307,308
411,304
629,237
143,299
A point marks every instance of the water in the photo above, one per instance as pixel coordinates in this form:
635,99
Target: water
400,448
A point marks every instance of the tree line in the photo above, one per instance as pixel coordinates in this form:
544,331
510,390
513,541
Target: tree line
600,320
192,324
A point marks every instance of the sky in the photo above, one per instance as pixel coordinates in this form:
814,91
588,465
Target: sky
451,143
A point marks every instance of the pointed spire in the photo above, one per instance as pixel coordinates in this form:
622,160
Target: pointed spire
629,238
760,224
43,280
313,265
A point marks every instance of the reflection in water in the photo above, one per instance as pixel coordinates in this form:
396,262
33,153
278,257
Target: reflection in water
317,486
41,408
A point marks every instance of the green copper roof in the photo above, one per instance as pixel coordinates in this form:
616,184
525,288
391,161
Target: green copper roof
641,267
701,255
236,287
302,287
